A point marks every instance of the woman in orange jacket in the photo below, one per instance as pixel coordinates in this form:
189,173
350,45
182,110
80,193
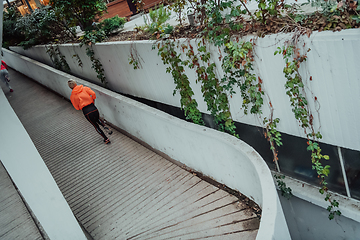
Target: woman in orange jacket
82,98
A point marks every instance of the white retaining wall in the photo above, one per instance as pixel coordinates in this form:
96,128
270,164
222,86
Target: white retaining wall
332,65
225,158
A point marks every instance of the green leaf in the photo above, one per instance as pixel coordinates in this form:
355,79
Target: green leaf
262,5
326,171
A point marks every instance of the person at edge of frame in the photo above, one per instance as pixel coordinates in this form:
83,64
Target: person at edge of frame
83,98
4,75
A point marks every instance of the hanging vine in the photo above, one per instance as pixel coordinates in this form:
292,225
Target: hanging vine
96,64
57,58
134,58
237,65
89,39
213,92
176,68
219,22
76,56
296,92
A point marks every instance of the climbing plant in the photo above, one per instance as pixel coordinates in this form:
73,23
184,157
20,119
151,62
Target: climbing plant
176,68
57,58
295,90
78,59
285,191
89,39
213,91
220,21
237,65
96,64
134,58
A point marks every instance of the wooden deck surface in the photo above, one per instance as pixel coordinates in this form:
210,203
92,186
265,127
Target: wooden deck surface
123,190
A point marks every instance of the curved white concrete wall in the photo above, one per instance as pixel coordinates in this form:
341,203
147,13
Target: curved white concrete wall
33,179
226,159
332,65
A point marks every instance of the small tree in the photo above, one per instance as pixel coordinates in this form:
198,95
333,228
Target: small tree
41,27
79,12
111,24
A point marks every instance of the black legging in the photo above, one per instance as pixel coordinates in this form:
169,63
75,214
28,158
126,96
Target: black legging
91,113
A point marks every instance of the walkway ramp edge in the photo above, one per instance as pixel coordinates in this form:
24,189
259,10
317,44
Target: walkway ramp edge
226,159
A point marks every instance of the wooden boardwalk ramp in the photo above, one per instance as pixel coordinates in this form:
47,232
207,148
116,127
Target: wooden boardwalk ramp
123,190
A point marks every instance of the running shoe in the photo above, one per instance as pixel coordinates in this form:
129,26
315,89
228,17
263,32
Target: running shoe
109,131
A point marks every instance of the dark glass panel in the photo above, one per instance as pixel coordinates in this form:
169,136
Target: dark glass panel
352,170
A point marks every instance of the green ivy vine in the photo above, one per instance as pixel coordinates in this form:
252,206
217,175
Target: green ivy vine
237,65
76,56
213,92
134,58
89,39
96,64
57,58
220,20
285,191
176,68
295,90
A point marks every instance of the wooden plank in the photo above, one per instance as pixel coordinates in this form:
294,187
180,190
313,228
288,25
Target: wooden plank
130,202
93,175
214,201
140,208
123,190
213,219
121,197
156,202
99,182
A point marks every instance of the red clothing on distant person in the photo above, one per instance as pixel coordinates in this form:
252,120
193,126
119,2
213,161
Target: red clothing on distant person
3,65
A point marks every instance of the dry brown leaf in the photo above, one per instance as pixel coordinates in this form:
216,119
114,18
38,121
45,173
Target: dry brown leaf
343,26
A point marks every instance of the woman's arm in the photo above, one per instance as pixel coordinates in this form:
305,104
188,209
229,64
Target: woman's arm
90,92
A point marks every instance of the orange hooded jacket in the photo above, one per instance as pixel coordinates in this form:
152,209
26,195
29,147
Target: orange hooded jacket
82,96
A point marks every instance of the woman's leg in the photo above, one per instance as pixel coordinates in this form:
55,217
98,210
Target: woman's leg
4,75
93,118
102,123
